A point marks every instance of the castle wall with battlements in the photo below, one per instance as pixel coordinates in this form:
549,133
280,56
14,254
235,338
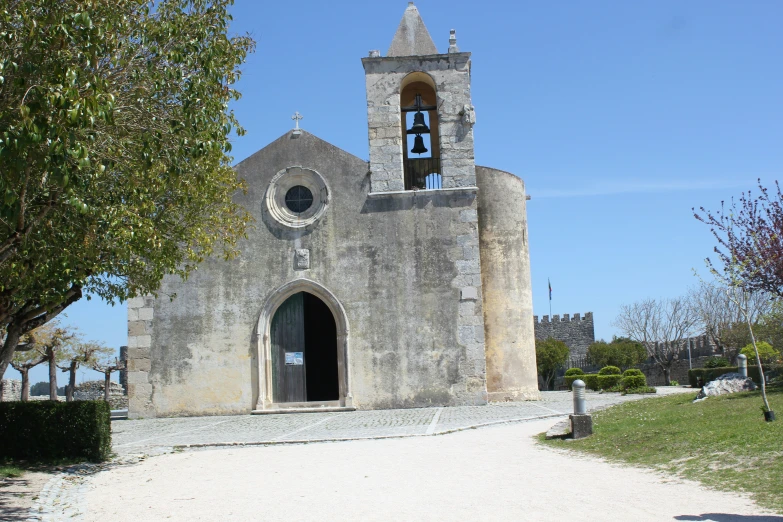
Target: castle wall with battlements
578,332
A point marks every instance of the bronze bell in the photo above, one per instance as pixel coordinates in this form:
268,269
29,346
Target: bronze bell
419,127
418,145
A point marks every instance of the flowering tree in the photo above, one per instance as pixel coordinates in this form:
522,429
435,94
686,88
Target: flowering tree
750,250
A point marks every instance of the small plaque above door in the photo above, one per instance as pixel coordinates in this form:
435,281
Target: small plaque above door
294,358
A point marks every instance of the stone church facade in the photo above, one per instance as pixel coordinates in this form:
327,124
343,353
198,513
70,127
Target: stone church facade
402,282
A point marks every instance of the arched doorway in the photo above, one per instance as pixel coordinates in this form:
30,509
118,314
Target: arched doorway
326,313
303,338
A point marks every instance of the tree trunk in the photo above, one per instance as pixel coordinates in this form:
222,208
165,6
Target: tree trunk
71,382
52,375
667,376
106,385
9,347
25,384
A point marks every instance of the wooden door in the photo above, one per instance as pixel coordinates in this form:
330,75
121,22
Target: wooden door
288,346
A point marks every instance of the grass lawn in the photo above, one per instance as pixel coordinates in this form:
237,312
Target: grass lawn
10,471
722,442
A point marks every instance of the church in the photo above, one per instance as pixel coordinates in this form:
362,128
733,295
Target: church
401,282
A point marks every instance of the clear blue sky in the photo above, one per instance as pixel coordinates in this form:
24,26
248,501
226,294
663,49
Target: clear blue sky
620,116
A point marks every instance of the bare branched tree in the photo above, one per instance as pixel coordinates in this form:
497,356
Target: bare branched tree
719,315
79,353
661,325
107,366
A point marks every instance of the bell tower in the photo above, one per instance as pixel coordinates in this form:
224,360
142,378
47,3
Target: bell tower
419,112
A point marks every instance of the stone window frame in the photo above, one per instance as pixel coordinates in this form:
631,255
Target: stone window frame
282,182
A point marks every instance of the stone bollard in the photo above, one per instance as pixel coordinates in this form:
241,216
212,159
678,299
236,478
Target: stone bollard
742,362
581,421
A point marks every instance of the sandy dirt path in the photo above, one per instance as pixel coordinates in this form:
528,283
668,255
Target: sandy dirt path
496,473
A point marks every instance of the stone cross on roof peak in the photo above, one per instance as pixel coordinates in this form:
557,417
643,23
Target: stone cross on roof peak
296,117
412,37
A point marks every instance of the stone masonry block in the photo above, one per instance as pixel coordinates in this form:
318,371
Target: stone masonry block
470,266
145,314
478,333
136,302
470,252
139,365
133,314
468,216
465,335
581,426
138,353
136,328
467,309
138,377
467,240
139,341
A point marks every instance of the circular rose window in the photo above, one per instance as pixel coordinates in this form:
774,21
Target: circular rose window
297,197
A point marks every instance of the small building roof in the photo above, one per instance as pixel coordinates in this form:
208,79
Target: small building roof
412,37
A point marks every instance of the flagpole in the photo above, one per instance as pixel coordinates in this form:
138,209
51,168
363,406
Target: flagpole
549,284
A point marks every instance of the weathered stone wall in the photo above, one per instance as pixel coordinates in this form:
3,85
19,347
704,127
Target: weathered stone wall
124,373
10,390
507,290
401,265
577,332
94,391
451,74
140,328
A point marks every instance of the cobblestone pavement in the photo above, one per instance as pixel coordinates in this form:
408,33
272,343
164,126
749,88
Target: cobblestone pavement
155,436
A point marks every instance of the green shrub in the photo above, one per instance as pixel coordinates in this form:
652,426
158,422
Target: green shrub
634,381
717,362
569,381
48,430
574,371
632,371
767,353
674,383
591,381
643,389
608,381
609,370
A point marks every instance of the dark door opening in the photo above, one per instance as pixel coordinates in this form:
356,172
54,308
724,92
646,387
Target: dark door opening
304,351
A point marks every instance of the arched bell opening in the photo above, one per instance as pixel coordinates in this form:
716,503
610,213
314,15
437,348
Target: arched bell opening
420,133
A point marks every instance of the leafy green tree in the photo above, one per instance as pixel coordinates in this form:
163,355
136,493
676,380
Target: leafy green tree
621,352
551,354
42,388
766,352
114,149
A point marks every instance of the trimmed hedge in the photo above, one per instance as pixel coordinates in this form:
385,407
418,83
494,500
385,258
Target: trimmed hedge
574,371
595,382
49,430
710,374
632,371
633,381
609,370
608,381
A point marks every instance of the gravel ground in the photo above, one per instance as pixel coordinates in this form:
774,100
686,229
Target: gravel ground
495,473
